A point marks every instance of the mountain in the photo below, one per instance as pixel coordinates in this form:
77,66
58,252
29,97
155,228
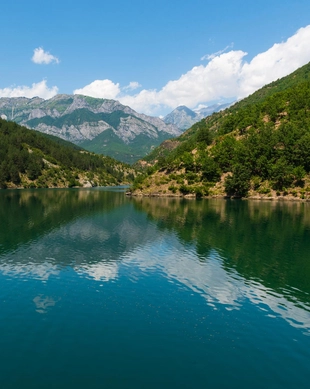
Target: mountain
206,111
183,117
99,125
30,159
259,147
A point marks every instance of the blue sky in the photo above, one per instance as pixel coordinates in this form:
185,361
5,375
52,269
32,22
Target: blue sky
151,55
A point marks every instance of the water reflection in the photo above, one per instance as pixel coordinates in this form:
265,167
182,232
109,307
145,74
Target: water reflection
245,251
219,286
102,271
231,253
268,241
29,214
27,268
44,303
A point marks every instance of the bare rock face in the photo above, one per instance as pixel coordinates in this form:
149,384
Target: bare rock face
183,117
131,126
81,119
74,134
36,113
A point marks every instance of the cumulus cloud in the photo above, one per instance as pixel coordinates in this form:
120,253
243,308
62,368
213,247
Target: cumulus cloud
280,60
101,89
227,75
202,83
43,57
219,78
39,89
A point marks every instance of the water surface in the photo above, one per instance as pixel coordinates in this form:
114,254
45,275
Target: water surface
102,291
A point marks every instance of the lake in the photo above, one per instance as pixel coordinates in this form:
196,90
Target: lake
98,290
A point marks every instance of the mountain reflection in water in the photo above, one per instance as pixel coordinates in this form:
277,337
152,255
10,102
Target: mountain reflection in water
230,252
100,290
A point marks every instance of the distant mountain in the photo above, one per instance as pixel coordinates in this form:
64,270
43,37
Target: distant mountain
184,118
99,125
206,111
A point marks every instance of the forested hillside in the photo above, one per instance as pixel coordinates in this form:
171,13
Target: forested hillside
29,159
258,147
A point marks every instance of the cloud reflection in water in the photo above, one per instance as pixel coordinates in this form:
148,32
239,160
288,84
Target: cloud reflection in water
215,283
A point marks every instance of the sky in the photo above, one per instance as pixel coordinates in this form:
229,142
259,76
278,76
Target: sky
151,55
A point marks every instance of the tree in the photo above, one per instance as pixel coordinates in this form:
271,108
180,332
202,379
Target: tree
14,174
209,168
281,174
238,184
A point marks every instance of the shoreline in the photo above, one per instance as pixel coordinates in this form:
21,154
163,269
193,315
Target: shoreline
190,196
288,198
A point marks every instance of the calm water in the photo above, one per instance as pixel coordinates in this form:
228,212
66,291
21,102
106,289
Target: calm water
102,291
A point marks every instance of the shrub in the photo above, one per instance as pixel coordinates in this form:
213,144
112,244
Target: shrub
173,188
184,189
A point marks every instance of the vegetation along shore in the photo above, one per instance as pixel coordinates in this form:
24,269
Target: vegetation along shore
258,148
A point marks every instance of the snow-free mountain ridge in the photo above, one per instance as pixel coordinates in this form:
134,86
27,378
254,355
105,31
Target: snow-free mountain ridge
100,125
184,118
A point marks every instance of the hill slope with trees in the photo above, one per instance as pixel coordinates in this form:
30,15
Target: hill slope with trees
29,159
259,147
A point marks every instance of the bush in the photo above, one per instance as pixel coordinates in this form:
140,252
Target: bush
184,189
199,192
264,190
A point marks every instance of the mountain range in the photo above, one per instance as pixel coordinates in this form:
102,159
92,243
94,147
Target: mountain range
99,125
184,118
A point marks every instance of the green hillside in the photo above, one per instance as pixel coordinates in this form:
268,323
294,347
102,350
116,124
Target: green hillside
258,147
29,159
128,153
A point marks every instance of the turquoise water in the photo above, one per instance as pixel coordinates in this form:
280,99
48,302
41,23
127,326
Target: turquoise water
98,290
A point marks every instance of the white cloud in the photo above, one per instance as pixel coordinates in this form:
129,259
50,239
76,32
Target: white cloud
133,85
39,89
213,55
280,60
226,75
219,78
43,57
101,89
